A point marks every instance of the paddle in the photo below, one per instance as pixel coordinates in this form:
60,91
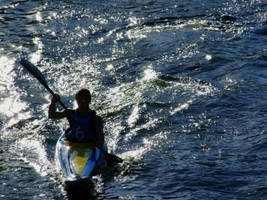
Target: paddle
111,159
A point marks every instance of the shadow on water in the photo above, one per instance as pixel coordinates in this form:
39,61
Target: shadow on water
86,189
82,189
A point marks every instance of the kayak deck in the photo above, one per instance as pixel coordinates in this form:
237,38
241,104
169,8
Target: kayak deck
78,160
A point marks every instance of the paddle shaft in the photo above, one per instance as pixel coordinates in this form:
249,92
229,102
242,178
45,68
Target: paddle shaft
52,92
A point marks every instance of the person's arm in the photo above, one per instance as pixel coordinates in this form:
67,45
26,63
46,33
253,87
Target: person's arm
52,112
98,122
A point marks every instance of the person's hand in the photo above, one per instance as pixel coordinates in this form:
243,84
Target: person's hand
55,98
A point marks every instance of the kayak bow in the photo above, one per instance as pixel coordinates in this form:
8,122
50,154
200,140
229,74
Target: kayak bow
78,161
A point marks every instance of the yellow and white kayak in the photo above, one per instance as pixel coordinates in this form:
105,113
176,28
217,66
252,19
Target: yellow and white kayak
78,161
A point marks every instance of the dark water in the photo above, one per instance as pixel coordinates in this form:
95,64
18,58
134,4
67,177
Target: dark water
181,85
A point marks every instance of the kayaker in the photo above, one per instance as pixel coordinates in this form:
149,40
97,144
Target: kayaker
85,125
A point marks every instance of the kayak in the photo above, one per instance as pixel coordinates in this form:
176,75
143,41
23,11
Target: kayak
78,161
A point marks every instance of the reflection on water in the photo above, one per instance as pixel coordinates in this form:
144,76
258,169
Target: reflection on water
6,72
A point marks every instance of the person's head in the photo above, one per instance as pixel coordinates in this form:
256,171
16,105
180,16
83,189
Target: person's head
83,97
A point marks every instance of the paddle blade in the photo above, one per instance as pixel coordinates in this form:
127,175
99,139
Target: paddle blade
39,76
34,71
112,160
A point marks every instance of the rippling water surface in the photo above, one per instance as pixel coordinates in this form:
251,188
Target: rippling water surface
181,85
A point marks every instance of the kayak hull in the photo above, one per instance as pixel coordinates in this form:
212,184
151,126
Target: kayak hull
78,161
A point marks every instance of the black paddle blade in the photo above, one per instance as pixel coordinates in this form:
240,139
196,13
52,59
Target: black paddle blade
112,160
34,71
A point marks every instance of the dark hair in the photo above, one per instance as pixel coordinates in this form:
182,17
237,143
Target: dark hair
83,92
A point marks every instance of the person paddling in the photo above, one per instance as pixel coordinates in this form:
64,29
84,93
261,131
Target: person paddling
85,125
95,124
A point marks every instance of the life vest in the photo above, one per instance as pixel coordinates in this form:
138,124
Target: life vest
77,134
